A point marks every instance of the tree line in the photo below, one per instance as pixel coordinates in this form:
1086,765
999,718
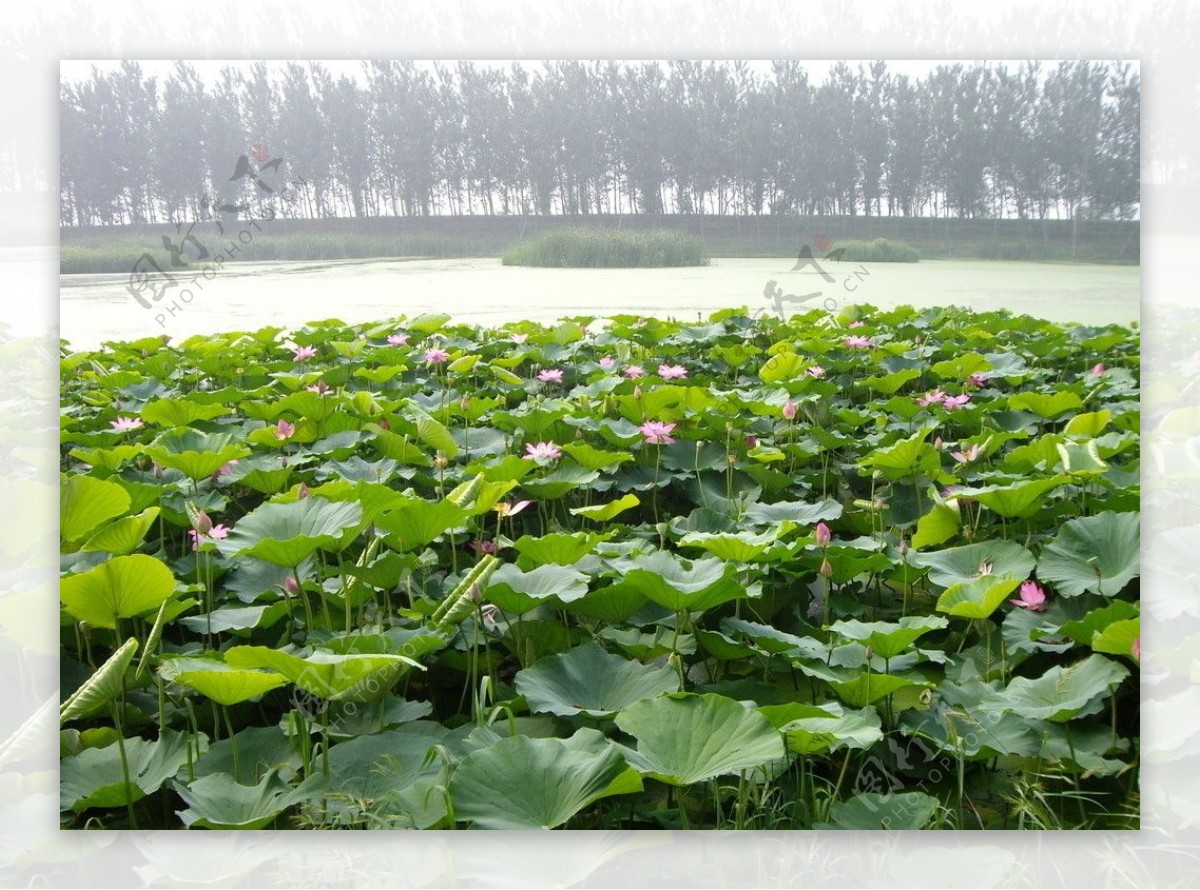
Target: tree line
571,137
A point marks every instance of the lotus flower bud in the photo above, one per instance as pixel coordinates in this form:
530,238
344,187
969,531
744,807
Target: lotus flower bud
903,546
789,410
441,461
291,585
302,492
751,442
383,424
826,569
637,391
202,523
823,535
464,403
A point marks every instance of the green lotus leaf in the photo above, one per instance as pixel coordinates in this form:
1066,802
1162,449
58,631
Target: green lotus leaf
556,549
121,587
1020,500
995,557
180,412
541,782
867,687
1061,692
902,811
95,778
904,459
326,674
589,680
889,639
683,585
106,684
224,684
85,502
1096,554
218,801
195,454
419,522
123,536
519,592
813,729
686,738
605,512
285,534
1045,405
978,597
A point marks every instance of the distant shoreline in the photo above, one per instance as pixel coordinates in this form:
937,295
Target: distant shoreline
99,249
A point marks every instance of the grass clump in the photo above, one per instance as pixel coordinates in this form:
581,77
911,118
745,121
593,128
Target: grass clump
881,250
607,248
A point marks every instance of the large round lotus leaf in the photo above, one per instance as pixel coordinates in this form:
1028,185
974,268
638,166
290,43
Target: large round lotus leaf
195,454
686,738
683,585
521,782
84,502
1099,554
1021,500
121,587
906,811
325,674
589,680
518,592
286,533
889,639
1061,692
95,777
995,557
217,801
391,770
418,522
812,729
978,597
227,685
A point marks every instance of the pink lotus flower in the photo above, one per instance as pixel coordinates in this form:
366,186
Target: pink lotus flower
977,379
1136,648
858,342
815,371
304,353
436,356
953,403
225,469
657,432
788,410
321,388
284,430
398,339
519,338
634,371
505,509
1098,369
125,424
965,457
1032,597
933,397
751,442
672,372
481,547
856,324
608,363
215,533
822,535
542,451
291,585
550,375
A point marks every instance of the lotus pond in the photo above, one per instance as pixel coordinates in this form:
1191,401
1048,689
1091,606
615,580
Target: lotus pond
872,570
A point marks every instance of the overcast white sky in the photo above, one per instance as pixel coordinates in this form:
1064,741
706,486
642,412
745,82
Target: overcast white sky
209,69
